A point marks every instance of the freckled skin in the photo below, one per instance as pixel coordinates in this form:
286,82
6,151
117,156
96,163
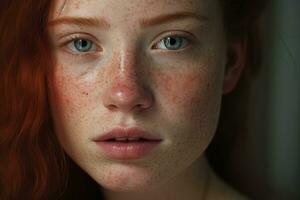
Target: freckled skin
181,93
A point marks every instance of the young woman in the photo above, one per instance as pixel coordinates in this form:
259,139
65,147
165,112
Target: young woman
128,92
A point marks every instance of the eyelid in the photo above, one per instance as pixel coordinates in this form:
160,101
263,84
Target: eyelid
188,36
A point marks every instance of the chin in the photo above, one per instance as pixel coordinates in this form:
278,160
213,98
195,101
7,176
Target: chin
129,180
132,185
134,188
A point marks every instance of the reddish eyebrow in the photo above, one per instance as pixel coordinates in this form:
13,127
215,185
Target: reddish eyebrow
80,21
102,23
171,17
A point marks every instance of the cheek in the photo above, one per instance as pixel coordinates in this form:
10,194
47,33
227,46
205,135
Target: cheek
188,89
72,91
70,98
72,103
191,99
179,88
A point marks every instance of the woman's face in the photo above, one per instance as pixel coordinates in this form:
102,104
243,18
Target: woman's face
154,65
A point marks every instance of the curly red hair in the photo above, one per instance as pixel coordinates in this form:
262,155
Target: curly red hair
32,164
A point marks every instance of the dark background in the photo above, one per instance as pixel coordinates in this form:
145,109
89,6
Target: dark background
271,157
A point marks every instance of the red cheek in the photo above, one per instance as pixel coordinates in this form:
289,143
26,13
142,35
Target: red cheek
180,88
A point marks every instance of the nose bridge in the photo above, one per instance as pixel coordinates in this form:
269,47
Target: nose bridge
126,90
128,64
125,70
125,82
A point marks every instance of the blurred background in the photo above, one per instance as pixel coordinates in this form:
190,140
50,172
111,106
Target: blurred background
283,146
271,156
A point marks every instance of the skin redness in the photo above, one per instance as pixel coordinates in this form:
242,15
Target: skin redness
155,65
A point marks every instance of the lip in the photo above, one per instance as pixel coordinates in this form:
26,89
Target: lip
126,133
127,150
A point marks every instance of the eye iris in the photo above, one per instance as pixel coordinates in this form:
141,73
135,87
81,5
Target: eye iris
173,43
82,45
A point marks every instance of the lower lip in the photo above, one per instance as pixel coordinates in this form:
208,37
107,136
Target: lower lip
128,150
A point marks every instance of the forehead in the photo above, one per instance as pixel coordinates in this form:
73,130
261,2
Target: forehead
126,10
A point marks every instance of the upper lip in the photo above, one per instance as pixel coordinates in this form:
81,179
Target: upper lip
132,132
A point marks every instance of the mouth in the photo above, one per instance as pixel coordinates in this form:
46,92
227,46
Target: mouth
131,139
127,143
127,135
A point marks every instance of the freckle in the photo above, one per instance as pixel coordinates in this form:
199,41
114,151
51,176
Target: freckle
174,99
208,85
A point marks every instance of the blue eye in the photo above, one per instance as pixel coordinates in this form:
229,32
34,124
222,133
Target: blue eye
81,45
172,43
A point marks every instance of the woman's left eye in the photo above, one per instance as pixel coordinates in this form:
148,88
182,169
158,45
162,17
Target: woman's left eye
81,45
172,43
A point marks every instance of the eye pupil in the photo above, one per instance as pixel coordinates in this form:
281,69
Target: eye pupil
173,43
82,45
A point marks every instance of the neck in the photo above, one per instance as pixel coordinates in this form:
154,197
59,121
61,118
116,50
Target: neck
191,184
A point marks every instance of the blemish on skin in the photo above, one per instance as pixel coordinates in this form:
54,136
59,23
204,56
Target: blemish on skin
67,101
85,93
208,85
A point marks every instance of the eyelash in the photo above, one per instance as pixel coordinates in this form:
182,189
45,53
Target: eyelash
74,38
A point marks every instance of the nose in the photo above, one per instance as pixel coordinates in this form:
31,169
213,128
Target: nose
126,91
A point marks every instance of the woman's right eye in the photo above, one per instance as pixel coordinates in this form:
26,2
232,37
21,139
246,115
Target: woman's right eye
81,45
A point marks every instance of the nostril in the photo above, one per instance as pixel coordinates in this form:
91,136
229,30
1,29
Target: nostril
139,105
112,107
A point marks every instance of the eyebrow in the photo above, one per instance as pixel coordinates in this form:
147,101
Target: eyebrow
100,22
171,17
80,21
